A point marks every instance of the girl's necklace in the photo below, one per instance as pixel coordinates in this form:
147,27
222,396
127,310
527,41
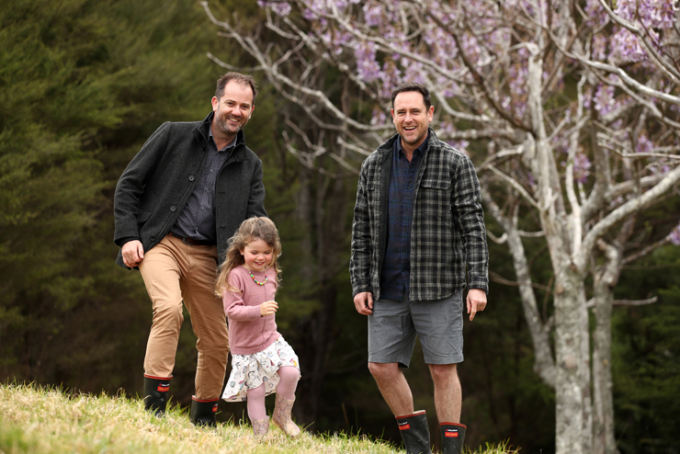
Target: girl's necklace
266,278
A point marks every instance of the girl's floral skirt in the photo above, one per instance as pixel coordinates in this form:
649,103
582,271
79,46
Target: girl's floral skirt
251,371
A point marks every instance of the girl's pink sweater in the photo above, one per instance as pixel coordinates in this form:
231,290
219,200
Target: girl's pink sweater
249,332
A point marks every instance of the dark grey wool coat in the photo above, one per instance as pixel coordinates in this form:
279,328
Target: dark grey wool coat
158,181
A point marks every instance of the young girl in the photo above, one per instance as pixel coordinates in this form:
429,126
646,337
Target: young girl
262,361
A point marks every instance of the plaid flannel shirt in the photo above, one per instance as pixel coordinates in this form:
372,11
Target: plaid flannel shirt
448,236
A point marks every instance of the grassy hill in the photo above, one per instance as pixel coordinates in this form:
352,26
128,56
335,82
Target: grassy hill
40,420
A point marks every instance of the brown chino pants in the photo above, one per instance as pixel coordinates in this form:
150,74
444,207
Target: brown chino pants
174,271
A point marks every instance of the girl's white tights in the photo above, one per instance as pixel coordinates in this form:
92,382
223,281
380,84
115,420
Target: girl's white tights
288,379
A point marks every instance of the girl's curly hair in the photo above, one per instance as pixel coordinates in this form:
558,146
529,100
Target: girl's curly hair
251,229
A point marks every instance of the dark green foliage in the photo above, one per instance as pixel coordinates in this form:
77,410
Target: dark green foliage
51,181
646,356
82,85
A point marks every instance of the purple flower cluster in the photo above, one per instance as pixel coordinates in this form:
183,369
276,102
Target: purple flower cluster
385,43
487,38
367,66
581,167
604,101
650,13
643,144
373,14
626,47
674,236
282,8
597,16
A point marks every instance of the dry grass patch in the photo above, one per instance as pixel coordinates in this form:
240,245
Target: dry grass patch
43,420
38,420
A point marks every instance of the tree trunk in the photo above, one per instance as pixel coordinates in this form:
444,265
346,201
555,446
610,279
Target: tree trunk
572,388
573,418
605,278
544,364
603,404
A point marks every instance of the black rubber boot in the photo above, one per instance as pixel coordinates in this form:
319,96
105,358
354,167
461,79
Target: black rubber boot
453,436
203,412
415,432
156,394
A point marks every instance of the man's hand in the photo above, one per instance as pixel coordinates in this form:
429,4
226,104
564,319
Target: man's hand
268,308
476,302
133,253
363,302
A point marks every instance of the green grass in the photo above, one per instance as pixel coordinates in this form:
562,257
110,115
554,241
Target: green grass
42,420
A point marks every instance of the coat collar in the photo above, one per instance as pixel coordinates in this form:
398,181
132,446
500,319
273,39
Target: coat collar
386,148
203,131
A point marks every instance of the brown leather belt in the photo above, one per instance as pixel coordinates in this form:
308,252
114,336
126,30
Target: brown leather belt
193,242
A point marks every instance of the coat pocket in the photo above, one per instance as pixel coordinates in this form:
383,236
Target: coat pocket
434,203
435,184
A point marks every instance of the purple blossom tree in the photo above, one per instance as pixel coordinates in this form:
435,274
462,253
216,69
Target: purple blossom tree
571,111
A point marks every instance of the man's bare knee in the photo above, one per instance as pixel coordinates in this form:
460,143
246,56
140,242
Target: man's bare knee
383,371
443,372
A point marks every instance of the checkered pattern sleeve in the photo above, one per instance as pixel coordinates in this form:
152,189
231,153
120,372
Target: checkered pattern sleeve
361,248
469,217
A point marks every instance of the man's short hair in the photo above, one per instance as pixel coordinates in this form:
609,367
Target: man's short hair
241,78
412,86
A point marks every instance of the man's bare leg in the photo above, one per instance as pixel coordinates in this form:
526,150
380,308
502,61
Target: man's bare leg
393,387
448,394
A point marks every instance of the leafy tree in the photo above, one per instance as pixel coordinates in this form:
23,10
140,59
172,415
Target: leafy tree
51,180
83,85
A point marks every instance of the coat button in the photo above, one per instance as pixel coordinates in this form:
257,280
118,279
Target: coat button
191,178
173,208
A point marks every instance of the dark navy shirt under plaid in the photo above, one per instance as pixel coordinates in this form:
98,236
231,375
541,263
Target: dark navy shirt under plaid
396,267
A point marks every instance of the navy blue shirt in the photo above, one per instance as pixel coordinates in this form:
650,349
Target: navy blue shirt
197,219
396,269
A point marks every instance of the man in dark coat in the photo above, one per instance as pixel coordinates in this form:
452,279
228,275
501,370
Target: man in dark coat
175,206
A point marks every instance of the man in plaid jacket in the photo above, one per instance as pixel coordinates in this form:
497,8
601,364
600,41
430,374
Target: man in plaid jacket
418,244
